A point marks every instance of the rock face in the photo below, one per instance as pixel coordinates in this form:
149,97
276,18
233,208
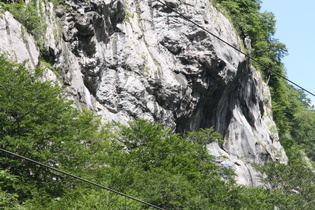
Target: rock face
127,59
15,42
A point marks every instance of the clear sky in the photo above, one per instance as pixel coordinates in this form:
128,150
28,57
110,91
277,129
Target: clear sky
296,29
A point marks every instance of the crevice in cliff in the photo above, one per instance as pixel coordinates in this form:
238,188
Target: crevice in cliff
154,65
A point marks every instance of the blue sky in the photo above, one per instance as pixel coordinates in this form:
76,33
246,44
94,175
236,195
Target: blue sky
296,29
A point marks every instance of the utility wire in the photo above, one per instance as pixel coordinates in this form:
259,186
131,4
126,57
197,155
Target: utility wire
76,177
127,196
235,48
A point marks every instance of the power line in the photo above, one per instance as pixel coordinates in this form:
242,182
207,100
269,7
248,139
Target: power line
238,50
82,179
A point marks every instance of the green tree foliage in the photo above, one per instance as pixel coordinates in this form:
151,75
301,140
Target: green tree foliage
167,169
9,200
292,185
260,28
294,182
30,16
36,121
144,160
141,158
291,110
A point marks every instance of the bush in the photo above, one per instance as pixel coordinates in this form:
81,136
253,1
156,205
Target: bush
31,17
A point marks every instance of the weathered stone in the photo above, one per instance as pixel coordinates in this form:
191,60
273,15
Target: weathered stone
153,64
128,59
16,43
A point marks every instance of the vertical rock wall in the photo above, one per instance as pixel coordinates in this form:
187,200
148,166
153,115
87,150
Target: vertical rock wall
137,58
15,42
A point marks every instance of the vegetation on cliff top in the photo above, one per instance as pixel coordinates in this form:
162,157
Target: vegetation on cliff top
292,111
145,160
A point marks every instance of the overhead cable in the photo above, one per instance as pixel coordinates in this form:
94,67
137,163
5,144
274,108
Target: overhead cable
82,179
235,48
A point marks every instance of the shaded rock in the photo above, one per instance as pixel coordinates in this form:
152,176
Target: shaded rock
128,59
151,63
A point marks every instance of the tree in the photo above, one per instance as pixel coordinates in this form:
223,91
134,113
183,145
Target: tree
38,122
293,181
167,169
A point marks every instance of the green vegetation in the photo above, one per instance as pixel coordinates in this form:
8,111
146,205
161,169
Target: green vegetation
260,28
293,114
36,121
291,108
144,160
295,182
29,15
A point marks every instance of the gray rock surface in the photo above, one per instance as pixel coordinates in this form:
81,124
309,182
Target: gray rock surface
15,42
127,59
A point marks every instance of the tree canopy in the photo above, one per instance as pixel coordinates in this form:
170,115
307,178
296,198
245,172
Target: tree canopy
144,159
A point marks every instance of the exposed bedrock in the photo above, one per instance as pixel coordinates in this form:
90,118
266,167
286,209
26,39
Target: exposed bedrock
128,59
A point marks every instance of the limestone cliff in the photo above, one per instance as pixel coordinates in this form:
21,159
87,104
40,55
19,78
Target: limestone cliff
137,58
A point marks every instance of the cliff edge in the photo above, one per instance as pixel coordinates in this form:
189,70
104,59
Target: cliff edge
128,59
